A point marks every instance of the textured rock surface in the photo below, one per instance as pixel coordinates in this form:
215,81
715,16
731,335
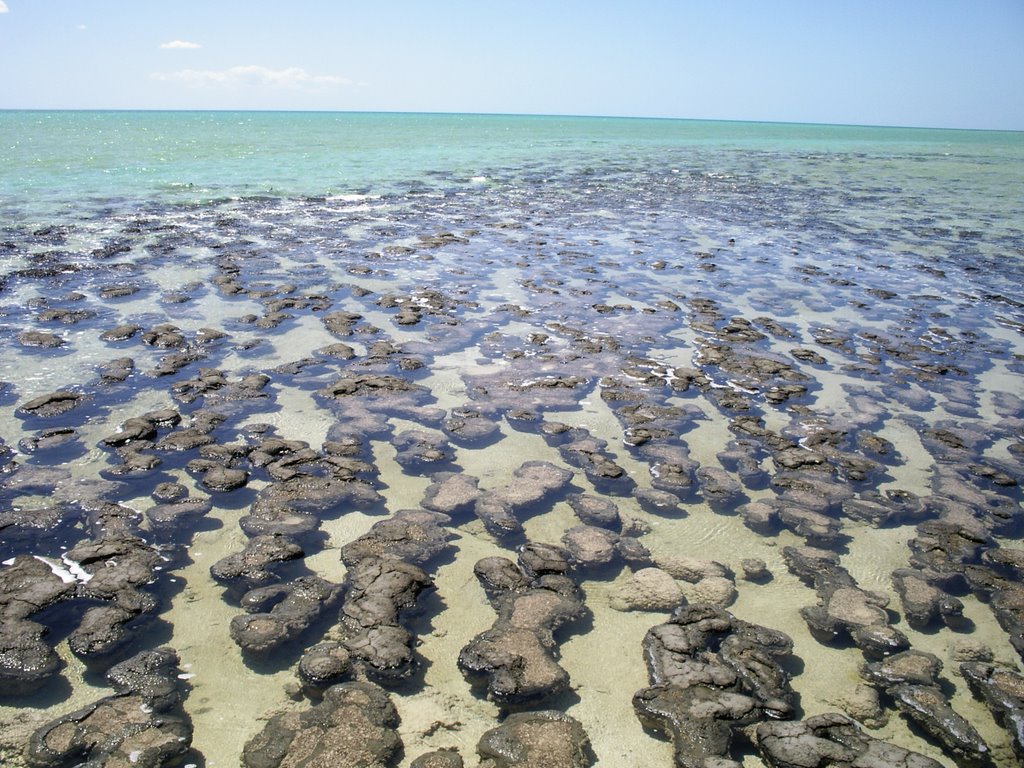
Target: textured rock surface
515,660
711,673
143,724
353,727
649,589
832,740
545,739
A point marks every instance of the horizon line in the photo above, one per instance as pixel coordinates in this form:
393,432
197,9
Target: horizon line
215,110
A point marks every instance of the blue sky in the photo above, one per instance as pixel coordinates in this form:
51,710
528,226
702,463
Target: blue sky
894,62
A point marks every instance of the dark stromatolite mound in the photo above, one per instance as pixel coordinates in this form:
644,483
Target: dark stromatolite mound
42,339
534,739
928,707
816,528
441,758
51,405
139,428
698,719
276,615
1002,690
922,602
416,536
27,586
721,492
214,386
591,455
373,387
354,726
907,667
380,589
322,666
711,673
50,440
223,479
120,333
174,519
340,322
113,570
515,660
659,502
417,450
384,581
911,679
294,506
844,609
532,483
452,493
834,740
595,510
672,469
251,566
143,724
470,427
594,547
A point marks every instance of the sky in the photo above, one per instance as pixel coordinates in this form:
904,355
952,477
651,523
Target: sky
934,63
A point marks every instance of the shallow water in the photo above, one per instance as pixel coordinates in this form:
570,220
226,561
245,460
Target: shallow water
896,255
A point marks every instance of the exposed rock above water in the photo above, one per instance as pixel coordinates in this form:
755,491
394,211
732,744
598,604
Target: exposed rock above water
527,739
354,726
834,740
515,660
143,724
712,673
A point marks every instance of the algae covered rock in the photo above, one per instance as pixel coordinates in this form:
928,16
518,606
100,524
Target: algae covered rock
353,727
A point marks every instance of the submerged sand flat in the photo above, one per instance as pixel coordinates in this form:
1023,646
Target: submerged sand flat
744,364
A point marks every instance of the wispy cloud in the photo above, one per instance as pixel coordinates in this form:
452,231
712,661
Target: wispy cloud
3,6
179,45
292,78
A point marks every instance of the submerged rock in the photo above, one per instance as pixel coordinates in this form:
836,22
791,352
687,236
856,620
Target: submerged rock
533,483
452,493
595,510
417,450
470,427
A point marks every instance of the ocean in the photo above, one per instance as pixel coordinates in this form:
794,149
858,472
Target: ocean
746,337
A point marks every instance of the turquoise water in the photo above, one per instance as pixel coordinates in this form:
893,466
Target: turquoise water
615,250
58,158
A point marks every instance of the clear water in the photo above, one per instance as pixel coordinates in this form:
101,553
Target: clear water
896,239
